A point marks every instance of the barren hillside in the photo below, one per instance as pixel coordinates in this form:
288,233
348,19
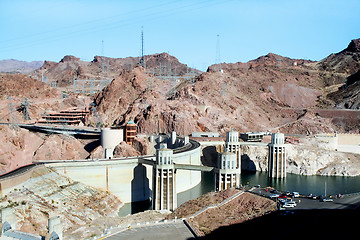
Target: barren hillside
263,94
101,67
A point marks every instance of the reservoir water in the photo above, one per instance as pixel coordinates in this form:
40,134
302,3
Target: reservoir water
292,183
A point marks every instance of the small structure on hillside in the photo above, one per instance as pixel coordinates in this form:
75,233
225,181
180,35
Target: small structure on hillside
205,134
130,132
252,136
71,116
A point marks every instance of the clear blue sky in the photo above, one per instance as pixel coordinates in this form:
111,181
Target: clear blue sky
187,29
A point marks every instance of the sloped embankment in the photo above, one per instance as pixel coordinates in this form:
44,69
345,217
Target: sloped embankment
48,193
241,208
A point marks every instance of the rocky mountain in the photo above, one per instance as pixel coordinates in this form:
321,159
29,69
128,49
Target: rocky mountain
267,93
348,95
347,61
101,67
16,66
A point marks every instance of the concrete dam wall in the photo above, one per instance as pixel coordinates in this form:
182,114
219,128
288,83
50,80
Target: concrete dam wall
131,179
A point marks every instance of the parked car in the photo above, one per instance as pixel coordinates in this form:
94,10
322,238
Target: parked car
274,196
289,205
296,194
326,200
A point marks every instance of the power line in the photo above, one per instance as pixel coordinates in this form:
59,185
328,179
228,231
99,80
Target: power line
116,25
131,13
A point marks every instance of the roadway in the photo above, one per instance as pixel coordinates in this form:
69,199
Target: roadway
174,230
17,171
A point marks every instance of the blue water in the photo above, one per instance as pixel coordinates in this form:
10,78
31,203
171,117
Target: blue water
305,184
293,183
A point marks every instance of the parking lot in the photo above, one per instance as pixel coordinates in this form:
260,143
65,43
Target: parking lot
303,202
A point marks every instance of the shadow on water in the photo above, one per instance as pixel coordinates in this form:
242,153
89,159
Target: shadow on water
247,164
209,156
140,190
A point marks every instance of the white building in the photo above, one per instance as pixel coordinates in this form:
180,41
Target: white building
227,174
277,156
232,144
164,189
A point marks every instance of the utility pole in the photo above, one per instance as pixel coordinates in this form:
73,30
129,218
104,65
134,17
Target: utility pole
103,60
218,58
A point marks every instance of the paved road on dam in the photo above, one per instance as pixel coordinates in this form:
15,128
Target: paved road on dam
174,231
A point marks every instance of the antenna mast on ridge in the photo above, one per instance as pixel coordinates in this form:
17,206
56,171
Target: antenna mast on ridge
103,59
142,58
218,59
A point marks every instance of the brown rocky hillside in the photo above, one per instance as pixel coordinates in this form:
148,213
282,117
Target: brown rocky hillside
263,94
71,67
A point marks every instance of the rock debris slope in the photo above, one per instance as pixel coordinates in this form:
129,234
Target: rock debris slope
48,193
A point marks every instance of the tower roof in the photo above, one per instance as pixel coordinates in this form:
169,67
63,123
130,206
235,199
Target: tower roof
130,121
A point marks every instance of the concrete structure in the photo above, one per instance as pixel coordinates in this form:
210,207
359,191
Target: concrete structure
8,228
252,136
227,174
55,227
7,215
164,188
205,134
110,138
71,116
277,156
130,179
130,131
232,144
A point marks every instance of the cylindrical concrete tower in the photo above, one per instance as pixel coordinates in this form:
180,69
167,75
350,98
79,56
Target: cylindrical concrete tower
110,138
232,144
227,174
164,188
277,156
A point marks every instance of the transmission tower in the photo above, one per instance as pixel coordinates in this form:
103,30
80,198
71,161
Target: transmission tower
96,115
13,122
142,58
104,64
24,108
